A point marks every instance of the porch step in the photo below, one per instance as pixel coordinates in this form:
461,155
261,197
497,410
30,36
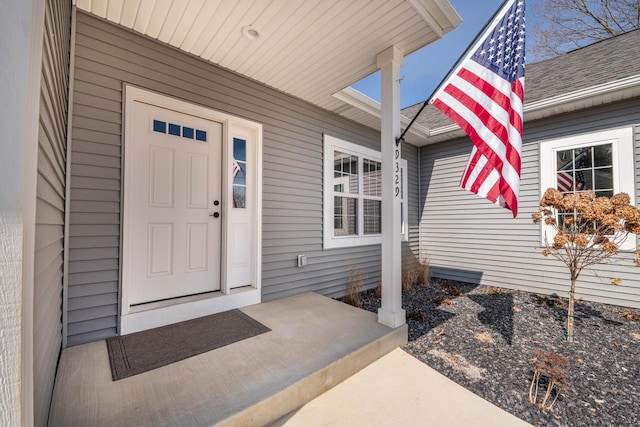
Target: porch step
314,344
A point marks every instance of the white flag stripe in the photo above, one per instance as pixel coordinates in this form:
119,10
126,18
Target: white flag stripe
514,136
510,174
488,183
500,84
504,86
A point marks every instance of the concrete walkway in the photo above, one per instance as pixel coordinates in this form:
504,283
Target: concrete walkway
399,390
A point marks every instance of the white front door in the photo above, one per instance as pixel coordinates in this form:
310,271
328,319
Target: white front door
175,204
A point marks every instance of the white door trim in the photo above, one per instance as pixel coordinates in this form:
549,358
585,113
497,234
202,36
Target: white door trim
138,318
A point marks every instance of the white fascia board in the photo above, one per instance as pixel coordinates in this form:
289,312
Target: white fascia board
362,102
359,100
583,94
426,9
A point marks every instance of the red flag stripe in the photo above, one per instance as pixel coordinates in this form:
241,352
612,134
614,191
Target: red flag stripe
473,161
484,179
494,194
514,93
487,88
482,176
565,181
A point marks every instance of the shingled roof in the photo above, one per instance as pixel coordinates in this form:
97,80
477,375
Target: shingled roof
598,64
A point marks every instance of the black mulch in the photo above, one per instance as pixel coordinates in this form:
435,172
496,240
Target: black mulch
484,341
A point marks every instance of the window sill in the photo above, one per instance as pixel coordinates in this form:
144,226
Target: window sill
350,242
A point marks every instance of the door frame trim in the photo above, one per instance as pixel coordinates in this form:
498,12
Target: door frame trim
141,318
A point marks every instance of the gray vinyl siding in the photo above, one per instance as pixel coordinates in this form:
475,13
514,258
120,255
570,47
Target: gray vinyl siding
469,239
411,249
47,335
108,56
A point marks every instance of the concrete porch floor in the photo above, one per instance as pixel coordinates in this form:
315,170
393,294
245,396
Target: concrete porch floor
314,344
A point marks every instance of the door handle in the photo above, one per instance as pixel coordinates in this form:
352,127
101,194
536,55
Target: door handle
215,214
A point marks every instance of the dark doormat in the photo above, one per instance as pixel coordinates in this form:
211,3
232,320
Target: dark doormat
143,351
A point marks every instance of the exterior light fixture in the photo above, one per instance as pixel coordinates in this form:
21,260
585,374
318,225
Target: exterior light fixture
251,33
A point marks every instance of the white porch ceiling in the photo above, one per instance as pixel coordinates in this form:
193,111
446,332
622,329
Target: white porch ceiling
310,49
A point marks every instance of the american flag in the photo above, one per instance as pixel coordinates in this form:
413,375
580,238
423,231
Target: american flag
485,96
565,176
236,168
565,181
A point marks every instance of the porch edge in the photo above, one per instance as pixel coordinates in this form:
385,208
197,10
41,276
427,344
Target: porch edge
297,395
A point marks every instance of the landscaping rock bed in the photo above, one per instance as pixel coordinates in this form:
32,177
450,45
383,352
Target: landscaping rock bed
484,339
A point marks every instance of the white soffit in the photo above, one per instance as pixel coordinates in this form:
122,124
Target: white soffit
310,49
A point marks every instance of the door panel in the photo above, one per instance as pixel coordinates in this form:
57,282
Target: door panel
160,177
175,239
197,174
197,247
160,250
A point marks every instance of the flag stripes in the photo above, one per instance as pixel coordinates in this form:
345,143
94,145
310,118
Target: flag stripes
485,97
566,181
236,168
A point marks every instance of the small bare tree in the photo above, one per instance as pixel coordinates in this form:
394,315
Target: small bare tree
588,230
570,24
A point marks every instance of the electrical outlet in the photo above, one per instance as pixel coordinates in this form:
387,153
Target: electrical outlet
302,260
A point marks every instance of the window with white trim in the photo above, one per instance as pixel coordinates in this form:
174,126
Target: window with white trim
600,161
353,195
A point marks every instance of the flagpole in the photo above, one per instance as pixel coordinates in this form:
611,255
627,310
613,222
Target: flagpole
454,67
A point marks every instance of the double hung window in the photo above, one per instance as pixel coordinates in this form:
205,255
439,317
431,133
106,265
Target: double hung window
600,161
353,194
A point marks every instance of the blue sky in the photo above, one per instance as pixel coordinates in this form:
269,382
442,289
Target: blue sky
424,69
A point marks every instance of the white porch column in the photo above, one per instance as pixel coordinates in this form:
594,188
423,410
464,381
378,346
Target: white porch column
22,24
391,313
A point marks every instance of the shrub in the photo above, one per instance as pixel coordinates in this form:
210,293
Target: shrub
588,230
354,287
551,367
494,291
628,314
416,272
